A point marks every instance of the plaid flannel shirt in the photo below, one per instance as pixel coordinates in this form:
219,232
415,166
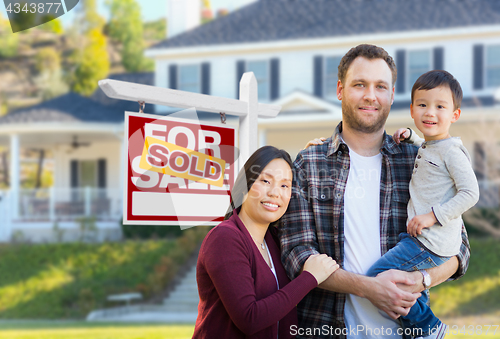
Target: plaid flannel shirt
314,221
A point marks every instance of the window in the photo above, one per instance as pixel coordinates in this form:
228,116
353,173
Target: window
419,62
189,78
261,71
331,76
493,66
88,173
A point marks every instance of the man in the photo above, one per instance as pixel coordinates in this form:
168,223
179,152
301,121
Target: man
349,201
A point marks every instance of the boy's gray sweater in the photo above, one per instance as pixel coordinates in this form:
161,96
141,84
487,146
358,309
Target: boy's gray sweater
444,182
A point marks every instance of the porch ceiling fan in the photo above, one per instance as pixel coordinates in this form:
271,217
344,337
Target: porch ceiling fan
77,144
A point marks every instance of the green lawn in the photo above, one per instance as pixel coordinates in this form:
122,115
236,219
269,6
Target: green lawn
46,329
68,280
56,281
83,330
473,300
478,292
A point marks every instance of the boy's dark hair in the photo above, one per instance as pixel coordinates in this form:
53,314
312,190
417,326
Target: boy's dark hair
436,78
369,52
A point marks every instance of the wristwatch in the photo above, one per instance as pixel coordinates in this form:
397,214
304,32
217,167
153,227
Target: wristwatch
426,281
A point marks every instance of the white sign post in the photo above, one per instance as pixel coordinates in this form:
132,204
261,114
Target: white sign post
248,109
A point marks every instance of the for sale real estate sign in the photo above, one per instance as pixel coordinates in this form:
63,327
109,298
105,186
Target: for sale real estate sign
178,171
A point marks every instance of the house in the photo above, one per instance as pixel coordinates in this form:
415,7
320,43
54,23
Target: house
85,139
293,47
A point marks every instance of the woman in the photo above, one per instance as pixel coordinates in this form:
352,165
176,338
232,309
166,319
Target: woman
243,287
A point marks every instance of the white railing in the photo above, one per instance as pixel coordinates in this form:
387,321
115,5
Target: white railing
69,203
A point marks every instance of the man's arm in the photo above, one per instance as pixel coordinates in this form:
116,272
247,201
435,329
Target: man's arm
438,275
393,292
383,291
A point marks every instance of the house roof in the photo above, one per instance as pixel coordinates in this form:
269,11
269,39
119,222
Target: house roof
271,20
301,102
72,107
300,107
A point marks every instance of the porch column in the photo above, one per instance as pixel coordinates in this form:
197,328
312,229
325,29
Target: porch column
14,174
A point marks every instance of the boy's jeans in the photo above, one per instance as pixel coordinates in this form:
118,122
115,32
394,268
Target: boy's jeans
408,255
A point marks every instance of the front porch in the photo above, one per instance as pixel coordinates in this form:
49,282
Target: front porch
61,214
67,204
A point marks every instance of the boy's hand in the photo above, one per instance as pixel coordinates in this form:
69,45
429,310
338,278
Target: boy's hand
317,141
419,222
400,135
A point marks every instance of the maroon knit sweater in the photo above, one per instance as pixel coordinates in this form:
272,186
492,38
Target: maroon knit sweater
238,293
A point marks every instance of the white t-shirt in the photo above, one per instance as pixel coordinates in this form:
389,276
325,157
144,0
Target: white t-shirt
362,244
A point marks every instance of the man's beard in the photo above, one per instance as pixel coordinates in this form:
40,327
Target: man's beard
352,119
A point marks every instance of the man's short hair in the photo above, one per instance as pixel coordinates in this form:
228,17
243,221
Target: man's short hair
436,78
369,52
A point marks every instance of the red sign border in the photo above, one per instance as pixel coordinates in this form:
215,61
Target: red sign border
157,220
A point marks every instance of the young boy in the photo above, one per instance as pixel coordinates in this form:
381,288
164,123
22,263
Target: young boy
442,187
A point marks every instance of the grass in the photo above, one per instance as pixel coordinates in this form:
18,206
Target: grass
66,281
471,301
85,330
478,292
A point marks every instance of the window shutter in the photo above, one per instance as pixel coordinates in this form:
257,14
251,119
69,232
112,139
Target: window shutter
172,76
401,65
240,69
439,58
318,76
74,173
101,173
275,78
478,67
205,78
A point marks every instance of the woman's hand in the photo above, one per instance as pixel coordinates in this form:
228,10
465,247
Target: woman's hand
401,134
320,266
317,141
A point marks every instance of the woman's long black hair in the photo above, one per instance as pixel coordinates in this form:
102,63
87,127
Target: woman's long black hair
251,171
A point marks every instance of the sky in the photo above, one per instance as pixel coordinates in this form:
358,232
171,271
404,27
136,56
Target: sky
150,9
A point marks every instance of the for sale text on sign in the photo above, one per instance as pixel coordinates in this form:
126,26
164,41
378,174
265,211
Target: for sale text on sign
178,171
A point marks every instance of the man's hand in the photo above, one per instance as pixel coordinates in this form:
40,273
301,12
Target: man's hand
385,295
419,222
314,142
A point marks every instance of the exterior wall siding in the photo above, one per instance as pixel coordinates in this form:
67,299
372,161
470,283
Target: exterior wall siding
297,69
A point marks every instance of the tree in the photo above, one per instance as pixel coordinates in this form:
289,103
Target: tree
91,60
8,40
54,26
125,26
47,59
50,76
89,19
93,64
155,30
